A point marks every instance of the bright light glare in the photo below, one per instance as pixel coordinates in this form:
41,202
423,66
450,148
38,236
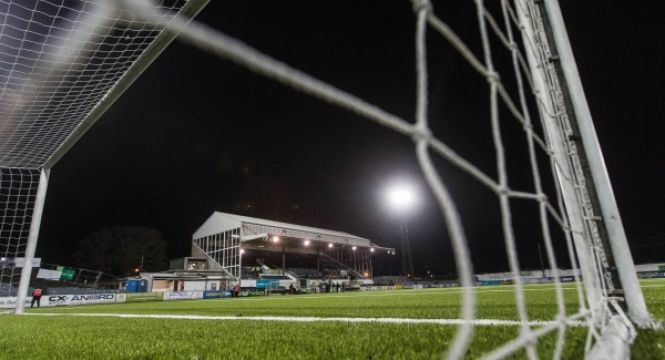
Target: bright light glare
275,239
242,251
306,242
371,250
401,197
330,245
354,248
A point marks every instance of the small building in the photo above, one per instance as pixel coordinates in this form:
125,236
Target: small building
171,281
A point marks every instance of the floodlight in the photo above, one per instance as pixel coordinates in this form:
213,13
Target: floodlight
275,239
306,242
401,197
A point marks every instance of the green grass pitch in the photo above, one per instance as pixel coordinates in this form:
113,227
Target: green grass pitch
72,336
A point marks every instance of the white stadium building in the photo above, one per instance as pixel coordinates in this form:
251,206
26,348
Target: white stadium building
251,248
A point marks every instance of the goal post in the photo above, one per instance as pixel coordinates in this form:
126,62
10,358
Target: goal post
604,199
546,88
29,255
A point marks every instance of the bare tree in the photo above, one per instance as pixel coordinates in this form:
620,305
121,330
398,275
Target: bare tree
120,249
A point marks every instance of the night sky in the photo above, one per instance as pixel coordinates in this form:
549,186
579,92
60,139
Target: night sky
196,134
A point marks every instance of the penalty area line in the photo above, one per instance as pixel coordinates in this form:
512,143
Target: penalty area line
310,319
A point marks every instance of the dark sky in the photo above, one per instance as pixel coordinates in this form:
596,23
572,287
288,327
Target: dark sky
196,134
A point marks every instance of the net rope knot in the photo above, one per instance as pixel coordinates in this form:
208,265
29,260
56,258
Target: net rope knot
420,5
503,190
512,46
420,133
492,77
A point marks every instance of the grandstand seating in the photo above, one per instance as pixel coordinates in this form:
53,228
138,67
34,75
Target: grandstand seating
266,264
304,273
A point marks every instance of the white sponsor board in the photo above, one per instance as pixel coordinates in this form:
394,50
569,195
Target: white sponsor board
81,299
248,283
19,262
183,295
377,288
63,300
10,302
49,274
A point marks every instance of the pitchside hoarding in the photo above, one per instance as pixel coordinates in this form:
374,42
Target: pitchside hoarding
63,300
59,300
183,295
147,296
10,302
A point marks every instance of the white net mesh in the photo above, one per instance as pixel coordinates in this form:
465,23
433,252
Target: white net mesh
18,188
537,92
58,61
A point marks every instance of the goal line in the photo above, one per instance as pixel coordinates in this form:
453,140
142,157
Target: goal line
571,321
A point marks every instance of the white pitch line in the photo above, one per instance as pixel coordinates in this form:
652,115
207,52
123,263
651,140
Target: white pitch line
310,319
651,286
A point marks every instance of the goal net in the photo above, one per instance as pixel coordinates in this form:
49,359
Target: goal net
61,66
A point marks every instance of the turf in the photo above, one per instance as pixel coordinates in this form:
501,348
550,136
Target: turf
73,337
493,303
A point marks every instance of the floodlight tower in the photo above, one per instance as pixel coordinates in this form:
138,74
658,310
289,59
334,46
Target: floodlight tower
401,199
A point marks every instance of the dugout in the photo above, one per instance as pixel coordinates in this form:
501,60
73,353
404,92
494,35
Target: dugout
250,248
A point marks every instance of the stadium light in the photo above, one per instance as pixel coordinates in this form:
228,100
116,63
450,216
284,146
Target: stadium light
306,242
401,197
275,239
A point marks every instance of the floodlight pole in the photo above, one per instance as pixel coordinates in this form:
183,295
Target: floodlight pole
37,211
407,261
542,265
283,262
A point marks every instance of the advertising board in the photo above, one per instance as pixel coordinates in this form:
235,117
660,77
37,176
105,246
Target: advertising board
64,300
215,294
81,299
144,296
183,295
